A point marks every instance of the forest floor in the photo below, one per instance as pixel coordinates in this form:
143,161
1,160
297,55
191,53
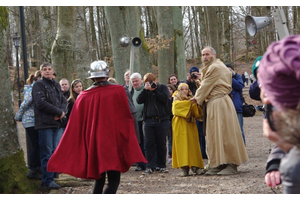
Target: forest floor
249,180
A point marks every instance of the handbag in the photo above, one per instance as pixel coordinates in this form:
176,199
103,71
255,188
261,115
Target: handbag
248,110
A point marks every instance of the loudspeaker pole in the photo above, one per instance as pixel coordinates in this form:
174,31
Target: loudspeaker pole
253,24
134,42
131,66
280,22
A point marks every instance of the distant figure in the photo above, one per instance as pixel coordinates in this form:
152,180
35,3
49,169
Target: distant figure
237,96
26,115
172,89
246,77
173,80
126,78
76,88
65,87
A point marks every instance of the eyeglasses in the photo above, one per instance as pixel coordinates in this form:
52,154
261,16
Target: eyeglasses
268,111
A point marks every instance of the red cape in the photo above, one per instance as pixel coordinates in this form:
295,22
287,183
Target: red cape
99,137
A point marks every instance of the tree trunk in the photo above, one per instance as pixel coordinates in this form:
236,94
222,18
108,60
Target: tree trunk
62,52
94,48
12,164
227,35
180,64
197,35
123,20
82,55
165,57
213,28
191,32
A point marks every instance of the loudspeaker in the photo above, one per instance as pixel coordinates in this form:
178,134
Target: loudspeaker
125,41
253,24
136,42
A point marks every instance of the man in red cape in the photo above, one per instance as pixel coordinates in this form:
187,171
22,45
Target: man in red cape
100,136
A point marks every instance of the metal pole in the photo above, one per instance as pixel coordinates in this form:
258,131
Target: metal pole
131,66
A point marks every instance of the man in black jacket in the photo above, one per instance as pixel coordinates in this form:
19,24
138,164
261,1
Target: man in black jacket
49,108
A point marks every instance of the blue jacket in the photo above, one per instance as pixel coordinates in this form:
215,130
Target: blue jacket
26,111
237,89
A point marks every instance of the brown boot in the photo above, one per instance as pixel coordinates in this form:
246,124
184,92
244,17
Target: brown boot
185,170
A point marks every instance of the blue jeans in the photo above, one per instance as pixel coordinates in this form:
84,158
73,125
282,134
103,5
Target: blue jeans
48,141
241,122
155,133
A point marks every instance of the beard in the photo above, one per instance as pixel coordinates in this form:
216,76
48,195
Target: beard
207,63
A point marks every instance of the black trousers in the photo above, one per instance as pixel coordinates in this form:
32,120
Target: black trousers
34,161
155,133
112,185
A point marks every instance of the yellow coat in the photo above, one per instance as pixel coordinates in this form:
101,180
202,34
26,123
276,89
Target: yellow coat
186,148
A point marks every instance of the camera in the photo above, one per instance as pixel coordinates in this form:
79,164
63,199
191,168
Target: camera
194,76
153,85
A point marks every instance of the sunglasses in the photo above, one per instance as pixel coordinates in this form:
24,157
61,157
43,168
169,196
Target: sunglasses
268,111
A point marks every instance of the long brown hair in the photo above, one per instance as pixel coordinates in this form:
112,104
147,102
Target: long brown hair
30,79
74,95
34,77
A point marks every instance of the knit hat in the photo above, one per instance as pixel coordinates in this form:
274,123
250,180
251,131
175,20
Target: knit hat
255,66
194,69
229,65
279,72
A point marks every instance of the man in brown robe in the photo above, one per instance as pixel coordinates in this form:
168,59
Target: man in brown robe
224,142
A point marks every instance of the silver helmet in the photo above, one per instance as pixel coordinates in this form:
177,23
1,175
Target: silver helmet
98,69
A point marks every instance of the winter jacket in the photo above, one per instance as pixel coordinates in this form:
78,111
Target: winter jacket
237,89
48,102
155,103
26,111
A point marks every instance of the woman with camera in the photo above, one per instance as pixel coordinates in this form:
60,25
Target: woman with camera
156,124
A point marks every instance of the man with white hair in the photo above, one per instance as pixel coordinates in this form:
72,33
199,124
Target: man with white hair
138,86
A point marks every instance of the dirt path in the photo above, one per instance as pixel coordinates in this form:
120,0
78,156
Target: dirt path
250,179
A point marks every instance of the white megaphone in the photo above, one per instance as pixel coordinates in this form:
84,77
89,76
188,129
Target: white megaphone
253,24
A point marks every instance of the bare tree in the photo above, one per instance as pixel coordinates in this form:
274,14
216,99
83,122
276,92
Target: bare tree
12,164
213,26
165,56
62,52
123,20
180,63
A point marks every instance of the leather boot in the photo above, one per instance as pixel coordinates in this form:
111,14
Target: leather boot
185,170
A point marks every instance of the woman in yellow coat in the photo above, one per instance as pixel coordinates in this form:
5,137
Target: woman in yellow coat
186,152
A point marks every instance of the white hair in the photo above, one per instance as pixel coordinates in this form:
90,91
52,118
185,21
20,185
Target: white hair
136,75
